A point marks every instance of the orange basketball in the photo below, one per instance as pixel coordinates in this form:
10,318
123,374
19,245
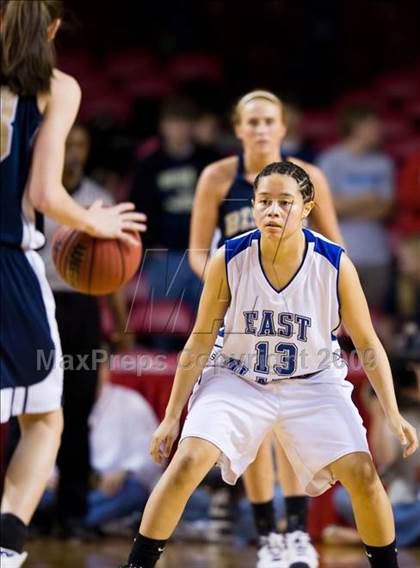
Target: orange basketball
91,265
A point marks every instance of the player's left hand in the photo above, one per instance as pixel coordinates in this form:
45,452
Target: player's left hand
405,432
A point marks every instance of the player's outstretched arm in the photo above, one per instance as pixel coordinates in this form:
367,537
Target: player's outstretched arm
213,305
46,191
356,319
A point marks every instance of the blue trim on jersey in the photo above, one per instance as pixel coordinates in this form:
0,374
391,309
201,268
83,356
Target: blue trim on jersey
330,251
294,275
238,244
338,294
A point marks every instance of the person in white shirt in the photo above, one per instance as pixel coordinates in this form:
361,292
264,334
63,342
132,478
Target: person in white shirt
121,424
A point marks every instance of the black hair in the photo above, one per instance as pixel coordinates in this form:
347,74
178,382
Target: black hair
27,54
352,115
286,168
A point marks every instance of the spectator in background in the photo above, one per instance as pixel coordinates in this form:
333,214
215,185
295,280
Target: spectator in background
163,187
125,469
401,476
408,241
79,327
294,143
208,131
361,178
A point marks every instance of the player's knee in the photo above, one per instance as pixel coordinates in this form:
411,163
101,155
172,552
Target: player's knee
50,423
360,476
54,422
185,468
188,463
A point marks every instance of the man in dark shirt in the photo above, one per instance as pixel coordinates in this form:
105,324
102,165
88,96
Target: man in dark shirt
164,186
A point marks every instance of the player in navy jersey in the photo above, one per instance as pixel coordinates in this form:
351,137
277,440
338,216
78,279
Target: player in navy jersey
222,210
281,291
38,106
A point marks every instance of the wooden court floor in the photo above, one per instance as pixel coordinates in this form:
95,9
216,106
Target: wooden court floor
109,553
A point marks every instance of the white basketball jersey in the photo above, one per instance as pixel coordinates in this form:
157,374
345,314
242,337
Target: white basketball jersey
272,334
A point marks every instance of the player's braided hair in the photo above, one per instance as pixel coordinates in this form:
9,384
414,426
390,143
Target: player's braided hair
286,168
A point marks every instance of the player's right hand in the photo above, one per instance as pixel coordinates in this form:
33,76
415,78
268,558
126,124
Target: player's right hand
115,222
163,439
405,432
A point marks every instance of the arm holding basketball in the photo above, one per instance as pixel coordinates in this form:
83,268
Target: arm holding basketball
356,319
213,305
204,219
46,191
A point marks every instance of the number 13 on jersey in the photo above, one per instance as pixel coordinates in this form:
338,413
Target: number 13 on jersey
286,360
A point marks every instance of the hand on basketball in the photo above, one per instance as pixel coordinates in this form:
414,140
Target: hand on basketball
405,433
116,222
163,439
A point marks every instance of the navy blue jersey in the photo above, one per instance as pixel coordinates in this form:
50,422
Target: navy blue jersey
20,226
235,213
31,378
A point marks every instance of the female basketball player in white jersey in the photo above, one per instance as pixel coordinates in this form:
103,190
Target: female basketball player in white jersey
280,290
38,107
223,204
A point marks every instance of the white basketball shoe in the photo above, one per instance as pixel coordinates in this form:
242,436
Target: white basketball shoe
11,559
272,552
300,551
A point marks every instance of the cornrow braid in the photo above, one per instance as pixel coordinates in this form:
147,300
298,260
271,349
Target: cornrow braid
286,168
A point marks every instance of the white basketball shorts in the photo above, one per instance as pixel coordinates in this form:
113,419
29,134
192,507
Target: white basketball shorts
314,419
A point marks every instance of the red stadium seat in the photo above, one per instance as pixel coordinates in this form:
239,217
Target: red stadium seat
399,87
150,373
78,62
94,85
193,66
323,142
166,317
320,124
412,112
403,149
130,64
395,127
362,96
148,316
118,108
151,87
